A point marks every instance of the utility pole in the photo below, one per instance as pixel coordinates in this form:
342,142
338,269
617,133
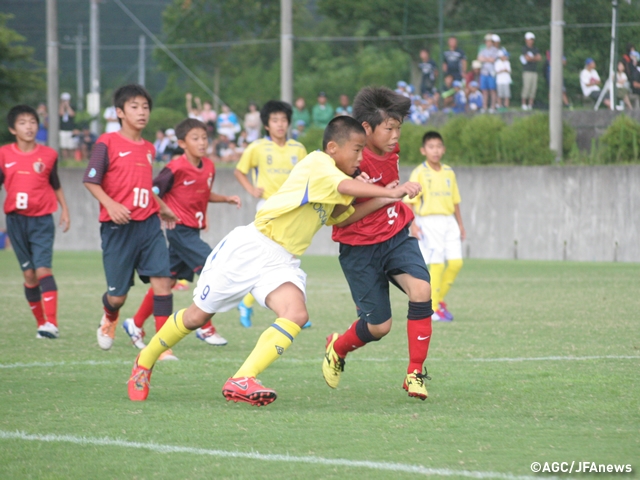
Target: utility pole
555,87
141,60
614,54
79,69
93,105
441,41
286,51
53,97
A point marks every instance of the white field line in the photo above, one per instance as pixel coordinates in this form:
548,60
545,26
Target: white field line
315,360
339,462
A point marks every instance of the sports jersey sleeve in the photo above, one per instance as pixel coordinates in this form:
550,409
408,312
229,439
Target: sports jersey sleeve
248,160
323,187
1,177
163,183
98,164
54,180
341,218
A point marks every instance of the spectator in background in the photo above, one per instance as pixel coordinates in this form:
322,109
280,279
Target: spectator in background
193,111
496,43
475,99
530,58
503,79
487,57
622,87
252,123
67,124
172,148
590,82
160,145
429,71
299,129
473,75
228,124
301,113
209,117
455,61
322,112
43,125
448,92
344,108
547,76
112,124
634,75
459,98
87,141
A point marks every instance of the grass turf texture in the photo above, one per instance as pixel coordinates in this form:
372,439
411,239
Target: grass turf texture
495,415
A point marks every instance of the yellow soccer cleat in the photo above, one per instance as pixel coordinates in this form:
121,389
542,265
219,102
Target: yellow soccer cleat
414,384
332,365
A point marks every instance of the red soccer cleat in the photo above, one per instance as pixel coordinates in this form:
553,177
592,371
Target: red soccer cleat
138,384
248,390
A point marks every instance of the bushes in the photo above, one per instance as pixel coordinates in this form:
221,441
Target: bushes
620,141
162,118
480,140
312,139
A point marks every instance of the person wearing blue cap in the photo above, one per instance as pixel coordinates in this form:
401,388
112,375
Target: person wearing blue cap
459,99
590,82
475,97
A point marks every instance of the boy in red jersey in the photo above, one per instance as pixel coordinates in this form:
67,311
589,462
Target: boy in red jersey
30,174
377,249
120,177
185,186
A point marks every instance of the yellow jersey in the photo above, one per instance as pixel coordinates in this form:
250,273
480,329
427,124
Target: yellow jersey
439,190
269,163
305,202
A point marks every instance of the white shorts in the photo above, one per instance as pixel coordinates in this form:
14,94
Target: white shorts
440,238
67,141
245,261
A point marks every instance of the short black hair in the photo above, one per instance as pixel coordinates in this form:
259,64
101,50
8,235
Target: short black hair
339,130
185,126
430,135
275,106
18,110
127,92
374,105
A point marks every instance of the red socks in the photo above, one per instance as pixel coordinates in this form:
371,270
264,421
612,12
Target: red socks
50,301
348,341
209,325
145,310
419,335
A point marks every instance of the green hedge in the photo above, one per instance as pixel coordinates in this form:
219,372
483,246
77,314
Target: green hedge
620,142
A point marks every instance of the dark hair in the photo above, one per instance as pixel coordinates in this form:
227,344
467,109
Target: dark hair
339,130
431,135
185,126
18,110
127,92
274,106
374,105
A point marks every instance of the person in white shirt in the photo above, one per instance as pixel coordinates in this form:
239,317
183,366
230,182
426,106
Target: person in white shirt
590,82
111,118
503,79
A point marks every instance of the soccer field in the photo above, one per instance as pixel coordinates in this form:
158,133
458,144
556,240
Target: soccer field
540,365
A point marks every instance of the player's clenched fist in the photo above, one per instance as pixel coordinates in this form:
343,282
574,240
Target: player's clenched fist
411,189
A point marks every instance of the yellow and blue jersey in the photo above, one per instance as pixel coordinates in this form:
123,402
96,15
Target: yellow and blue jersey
439,190
305,202
270,164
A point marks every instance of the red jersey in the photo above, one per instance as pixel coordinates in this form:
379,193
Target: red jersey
384,223
185,189
124,169
30,179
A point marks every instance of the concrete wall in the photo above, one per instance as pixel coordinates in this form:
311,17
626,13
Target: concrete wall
543,213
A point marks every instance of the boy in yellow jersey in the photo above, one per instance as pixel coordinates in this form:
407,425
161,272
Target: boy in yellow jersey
261,258
438,224
268,161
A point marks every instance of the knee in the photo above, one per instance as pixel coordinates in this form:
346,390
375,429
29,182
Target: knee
116,302
299,315
194,318
381,330
455,265
161,285
30,278
420,292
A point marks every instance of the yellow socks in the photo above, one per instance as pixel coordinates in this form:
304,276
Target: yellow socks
450,274
271,344
436,270
248,300
171,333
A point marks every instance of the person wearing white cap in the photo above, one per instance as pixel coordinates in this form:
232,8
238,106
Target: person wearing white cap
67,124
530,58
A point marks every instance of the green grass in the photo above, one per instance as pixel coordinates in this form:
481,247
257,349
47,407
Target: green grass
494,415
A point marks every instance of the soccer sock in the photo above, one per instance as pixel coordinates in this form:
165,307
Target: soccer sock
358,335
418,333
435,271
50,298
209,325
248,300
171,333
110,312
271,344
35,303
450,274
144,310
162,308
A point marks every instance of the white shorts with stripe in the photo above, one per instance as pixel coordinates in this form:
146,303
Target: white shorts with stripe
245,261
440,238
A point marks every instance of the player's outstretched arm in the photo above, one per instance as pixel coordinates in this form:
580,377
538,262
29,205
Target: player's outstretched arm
117,212
246,184
458,215
65,220
232,199
365,208
356,188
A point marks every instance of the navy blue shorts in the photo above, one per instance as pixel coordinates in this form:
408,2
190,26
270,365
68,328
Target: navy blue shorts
137,246
370,268
187,252
31,239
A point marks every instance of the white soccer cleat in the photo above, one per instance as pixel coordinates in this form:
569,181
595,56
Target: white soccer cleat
106,333
136,334
210,336
48,330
